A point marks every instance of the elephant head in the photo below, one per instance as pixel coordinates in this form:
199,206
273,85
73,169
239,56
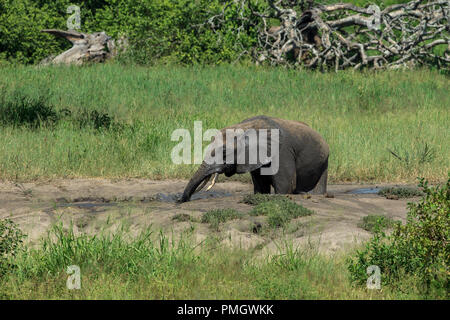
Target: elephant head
238,149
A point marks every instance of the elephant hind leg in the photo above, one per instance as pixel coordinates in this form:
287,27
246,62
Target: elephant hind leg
321,186
315,183
261,183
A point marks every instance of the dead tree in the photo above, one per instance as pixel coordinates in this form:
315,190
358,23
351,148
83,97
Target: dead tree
95,47
342,35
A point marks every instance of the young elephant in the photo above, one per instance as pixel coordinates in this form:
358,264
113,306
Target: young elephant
300,152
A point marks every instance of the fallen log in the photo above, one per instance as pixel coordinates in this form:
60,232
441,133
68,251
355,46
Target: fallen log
95,47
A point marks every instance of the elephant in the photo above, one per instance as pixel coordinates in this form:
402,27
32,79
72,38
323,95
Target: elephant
302,158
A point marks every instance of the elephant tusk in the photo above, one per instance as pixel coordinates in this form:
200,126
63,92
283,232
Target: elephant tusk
203,184
212,182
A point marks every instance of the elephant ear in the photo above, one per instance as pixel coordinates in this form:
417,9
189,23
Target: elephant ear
254,149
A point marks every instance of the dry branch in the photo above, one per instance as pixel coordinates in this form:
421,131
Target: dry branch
343,35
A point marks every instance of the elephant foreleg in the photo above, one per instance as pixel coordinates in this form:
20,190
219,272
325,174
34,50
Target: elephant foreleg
285,180
261,184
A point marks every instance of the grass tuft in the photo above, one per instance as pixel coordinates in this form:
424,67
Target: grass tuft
217,216
400,192
372,222
257,198
280,211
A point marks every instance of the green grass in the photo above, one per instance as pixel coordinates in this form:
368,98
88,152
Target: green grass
257,198
217,216
151,266
400,192
361,115
370,222
182,217
280,212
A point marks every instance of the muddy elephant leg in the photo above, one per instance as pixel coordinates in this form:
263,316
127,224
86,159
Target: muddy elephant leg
261,184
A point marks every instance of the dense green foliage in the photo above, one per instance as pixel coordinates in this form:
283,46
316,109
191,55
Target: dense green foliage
419,248
158,30
11,239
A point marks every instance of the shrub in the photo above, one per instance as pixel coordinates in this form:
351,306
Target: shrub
11,239
419,248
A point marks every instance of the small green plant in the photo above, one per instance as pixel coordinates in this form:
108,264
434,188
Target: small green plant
217,216
400,192
11,239
420,248
280,211
290,257
372,222
257,198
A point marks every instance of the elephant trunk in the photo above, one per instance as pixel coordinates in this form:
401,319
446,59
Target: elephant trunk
203,173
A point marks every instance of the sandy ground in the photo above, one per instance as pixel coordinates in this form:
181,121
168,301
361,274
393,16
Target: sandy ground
95,205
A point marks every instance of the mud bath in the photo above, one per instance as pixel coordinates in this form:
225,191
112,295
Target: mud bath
96,205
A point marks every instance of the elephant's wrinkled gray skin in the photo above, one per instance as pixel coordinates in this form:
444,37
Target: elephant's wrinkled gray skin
303,160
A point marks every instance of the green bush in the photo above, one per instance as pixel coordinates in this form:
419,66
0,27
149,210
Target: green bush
420,248
11,239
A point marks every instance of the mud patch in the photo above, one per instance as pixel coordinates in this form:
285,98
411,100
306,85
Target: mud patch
86,205
94,205
175,197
